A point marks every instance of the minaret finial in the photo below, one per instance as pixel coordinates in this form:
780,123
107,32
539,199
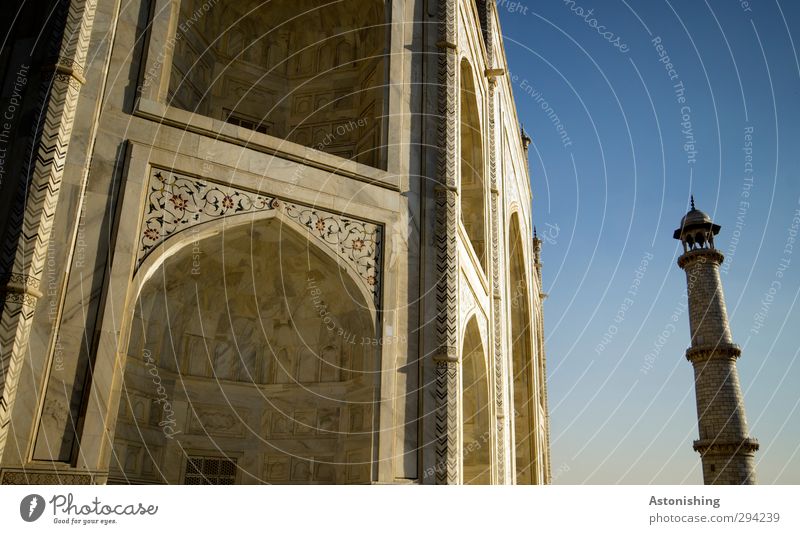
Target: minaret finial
526,139
534,232
692,202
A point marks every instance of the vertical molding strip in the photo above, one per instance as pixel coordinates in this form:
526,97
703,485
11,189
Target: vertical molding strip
25,250
447,393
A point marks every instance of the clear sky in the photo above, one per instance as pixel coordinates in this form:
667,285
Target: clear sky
720,118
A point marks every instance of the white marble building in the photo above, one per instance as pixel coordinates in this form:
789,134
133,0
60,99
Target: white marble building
267,242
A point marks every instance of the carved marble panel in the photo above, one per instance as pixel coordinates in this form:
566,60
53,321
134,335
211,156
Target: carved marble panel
177,202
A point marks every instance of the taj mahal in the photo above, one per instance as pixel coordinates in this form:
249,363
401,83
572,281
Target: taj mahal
279,242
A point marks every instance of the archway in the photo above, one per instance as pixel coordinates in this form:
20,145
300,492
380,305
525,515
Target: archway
476,409
249,361
306,71
473,214
522,369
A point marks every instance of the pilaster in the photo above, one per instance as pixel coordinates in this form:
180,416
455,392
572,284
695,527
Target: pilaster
447,392
25,249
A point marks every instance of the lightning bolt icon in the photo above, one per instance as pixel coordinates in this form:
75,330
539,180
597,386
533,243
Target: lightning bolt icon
34,501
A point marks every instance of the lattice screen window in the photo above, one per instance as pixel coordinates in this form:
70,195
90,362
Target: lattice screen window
205,470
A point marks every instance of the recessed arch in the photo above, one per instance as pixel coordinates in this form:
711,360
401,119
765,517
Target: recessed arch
256,337
476,408
473,188
305,71
521,356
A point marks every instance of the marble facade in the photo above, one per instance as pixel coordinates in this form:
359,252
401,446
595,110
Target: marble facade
270,243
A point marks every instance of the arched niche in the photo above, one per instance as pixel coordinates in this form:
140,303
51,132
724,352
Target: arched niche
521,357
309,72
476,408
259,341
473,201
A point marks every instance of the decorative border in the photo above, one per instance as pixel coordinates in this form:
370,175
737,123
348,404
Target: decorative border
744,445
496,235
37,476
30,222
721,351
176,202
447,391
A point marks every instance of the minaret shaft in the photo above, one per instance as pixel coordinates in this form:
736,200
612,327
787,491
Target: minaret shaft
726,450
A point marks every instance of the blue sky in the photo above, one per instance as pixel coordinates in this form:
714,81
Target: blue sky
611,186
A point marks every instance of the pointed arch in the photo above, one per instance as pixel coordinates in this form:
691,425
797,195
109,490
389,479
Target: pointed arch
254,347
473,187
521,356
186,238
476,408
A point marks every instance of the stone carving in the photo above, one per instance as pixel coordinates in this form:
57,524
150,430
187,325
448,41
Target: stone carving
47,478
446,385
213,421
176,203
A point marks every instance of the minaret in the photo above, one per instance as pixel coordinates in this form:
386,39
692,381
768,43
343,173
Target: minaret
726,450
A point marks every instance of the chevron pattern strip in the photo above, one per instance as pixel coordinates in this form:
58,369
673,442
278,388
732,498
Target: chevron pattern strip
447,423
16,320
447,392
26,248
497,275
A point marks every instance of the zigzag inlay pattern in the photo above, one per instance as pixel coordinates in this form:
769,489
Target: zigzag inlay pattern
30,224
446,422
497,275
447,393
